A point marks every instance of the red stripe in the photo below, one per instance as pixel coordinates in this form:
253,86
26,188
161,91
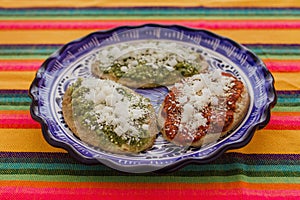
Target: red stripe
107,24
283,66
25,121
17,121
151,194
284,123
19,65
25,65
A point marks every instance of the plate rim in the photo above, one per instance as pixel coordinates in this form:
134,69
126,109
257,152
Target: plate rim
183,162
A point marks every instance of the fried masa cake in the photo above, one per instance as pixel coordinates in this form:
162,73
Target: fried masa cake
202,108
110,116
148,65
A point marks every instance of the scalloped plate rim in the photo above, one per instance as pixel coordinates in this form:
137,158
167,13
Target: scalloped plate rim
176,165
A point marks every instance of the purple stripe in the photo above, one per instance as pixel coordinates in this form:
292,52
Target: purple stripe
288,92
232,157
41,157
13,91
59,45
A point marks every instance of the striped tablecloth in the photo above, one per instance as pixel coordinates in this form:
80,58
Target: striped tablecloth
268,167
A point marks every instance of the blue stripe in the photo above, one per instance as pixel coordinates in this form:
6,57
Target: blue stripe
91,11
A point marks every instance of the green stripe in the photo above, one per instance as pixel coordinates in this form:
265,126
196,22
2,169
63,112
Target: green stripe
288,104
227,158
278,57
275,50
15,100
50,166
141,12
42,52
26,52
10,101
291,101
25,101
288,101
22,103
204,168
207,170
157,16
149,17
151,178
14,107
250,173
286,109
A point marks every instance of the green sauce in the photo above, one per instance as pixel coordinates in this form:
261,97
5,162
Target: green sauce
157,67
83,112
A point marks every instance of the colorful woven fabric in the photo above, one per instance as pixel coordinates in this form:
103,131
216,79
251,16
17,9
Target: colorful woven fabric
267,168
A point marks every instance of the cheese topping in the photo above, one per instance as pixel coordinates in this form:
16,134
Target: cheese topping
197,93
149,62
113,108
148,51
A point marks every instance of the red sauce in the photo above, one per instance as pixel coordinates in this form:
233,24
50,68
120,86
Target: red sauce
215,123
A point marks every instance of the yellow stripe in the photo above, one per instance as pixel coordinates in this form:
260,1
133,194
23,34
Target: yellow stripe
273,142
126,3
16,80
287,80
25,140
22,80
264,141
249,36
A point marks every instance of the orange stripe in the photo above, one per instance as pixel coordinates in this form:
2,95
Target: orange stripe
14,112
285,113
134,3
120,185
246,36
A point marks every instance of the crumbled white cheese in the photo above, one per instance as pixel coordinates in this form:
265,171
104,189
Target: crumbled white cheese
200,120
110,100
115,51
198,85
106,89
134,63
197,93
154,53
113,108
145,126
119,130
124,69
121,109
172,62
188,112
182,99
169,68
214,101
136,113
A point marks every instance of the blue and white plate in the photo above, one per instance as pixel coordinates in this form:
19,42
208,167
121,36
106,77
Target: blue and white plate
74,60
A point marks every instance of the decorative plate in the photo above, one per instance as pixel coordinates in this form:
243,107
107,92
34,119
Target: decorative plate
74,60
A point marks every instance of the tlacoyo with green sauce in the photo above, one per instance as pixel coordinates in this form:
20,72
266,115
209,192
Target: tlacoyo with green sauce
110,116
148,64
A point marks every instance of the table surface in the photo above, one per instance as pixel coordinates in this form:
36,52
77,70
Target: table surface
268,167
